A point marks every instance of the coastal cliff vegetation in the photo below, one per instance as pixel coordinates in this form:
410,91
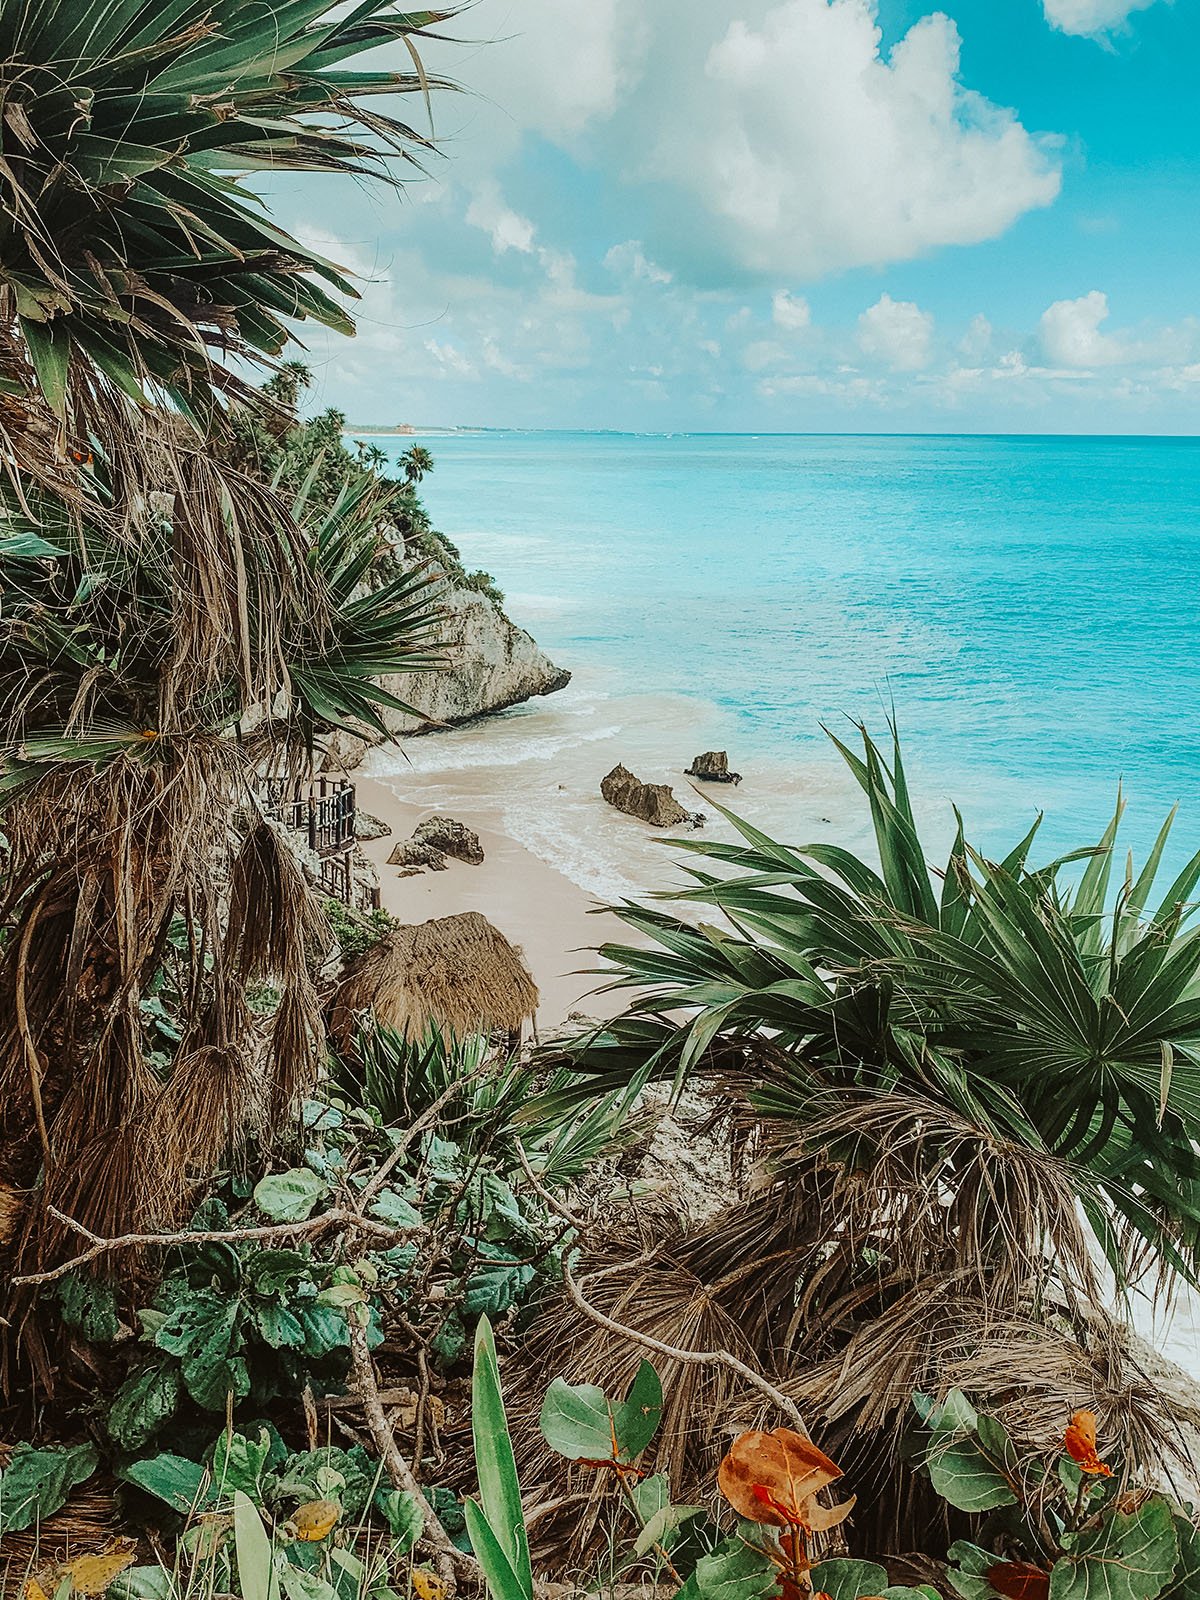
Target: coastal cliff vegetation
305,1296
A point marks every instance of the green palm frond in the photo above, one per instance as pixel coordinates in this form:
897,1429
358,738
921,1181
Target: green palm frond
131,249
90,626
1031,1002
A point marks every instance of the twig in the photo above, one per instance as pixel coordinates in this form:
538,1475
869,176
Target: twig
450,1562
427,1119
724,1358
324,1223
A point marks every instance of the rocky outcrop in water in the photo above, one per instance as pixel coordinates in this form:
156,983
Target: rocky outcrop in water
652,802
491,665
713,767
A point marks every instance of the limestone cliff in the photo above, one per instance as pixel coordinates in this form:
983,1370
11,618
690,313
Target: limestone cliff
491,664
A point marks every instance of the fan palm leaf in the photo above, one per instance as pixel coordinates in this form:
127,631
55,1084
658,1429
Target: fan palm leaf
129,242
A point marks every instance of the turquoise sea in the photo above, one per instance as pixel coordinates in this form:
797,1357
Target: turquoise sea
1028,604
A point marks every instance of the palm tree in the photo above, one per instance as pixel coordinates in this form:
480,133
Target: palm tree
172,626
965,1088
416,461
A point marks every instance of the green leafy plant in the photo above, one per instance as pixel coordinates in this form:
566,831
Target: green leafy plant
1061,1527
36,1483
496,1522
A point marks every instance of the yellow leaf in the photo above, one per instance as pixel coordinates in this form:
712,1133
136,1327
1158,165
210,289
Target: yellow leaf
425,1586
316,1520
92,1575
33,1590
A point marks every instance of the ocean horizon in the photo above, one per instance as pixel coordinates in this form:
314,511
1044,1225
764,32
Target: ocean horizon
1022,603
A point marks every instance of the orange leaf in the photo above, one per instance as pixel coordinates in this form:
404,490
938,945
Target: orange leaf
316,1519
1019,1580
774,1478
1080,1443
92,1575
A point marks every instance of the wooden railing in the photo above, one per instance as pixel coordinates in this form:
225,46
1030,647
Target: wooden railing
324,814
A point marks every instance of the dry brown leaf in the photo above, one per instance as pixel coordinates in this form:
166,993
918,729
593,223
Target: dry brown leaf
92,1575
1019,1580
774,1478
425,1586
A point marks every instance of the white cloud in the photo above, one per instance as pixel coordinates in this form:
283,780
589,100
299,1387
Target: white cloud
507,228
978,338
1091,18
898,333
450,359
629,260
790,311
816,152
1071,335
762,353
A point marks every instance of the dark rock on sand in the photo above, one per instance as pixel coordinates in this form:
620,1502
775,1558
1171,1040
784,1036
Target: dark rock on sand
368,827
713,767
415,855
451,838
652,802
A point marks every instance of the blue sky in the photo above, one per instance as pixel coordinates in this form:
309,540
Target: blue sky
789,215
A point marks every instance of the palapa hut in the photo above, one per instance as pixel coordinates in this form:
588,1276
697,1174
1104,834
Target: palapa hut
459,974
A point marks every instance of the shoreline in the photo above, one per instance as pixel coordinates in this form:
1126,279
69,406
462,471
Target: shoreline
553,921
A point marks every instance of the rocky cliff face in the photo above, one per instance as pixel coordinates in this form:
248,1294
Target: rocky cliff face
493,664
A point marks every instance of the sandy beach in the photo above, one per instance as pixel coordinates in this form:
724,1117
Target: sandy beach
555,923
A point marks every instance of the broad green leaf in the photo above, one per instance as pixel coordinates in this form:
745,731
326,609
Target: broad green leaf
583,1424
847,1580
1125,1558
182,1484
238,1463
289,1196
973,1471
404,1517
144,1583
393,1208
734,1571
143,1403
968,1568
36,1483
663,1526
89,1305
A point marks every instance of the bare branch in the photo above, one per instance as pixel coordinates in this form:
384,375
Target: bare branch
724,1358
450,1562
326,1222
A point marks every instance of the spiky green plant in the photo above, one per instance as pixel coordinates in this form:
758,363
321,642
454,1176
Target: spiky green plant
966,1087
1032,1002
132,250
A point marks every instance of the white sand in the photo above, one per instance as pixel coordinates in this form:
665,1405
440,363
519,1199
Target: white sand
537,908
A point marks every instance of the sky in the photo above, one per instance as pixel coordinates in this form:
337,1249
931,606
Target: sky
783,215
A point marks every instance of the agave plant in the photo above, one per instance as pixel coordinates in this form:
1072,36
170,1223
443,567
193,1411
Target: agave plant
495,1104
969,1088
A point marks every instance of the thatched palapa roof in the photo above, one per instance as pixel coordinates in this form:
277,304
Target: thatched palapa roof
458,973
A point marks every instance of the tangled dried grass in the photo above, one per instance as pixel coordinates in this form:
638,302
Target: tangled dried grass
854,1274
